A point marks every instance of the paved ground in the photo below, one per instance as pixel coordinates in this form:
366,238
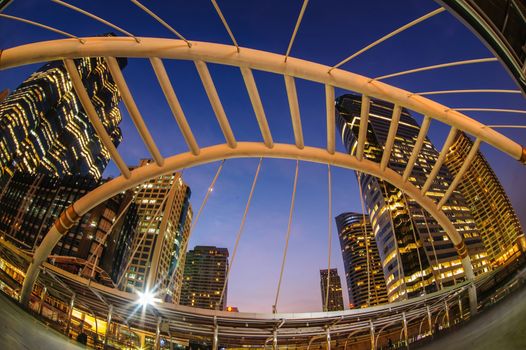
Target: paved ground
19,330
502,327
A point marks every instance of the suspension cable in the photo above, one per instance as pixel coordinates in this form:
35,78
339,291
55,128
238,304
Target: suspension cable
160,20
91,15
437,66
292,202
227,27
393,33
240,231
55,30
366,237
329,183
443,92
300,17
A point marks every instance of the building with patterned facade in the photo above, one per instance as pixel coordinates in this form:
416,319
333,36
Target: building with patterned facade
494,215
335,296
416,253
363,268
158,250
205,273
44,129
31,203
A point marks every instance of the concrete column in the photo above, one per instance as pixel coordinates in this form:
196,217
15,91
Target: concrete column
70,312
404,319
108,324
42,299
275,340
429,319
446,306
460,308
372,334
157,345
215,340
328,337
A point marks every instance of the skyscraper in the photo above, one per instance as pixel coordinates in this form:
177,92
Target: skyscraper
363,268
335,296
204,277
31,203
44,128
165,215
494,215
416,253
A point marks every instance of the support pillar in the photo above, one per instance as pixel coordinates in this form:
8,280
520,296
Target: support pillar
70,313
446,306
406,338
215,340
157,345
108,324
429,319
42,299
460,308
470,276
372,334
328,337
275,340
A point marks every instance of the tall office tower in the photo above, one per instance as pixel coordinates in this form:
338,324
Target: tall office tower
416,253
494,215
165,215
363,268
335,297
30,204
204,277
44,128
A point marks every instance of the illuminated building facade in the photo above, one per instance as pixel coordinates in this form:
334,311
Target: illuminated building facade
335,298
30,204
494,215
44,129
416,253
204,277
165,216
363,268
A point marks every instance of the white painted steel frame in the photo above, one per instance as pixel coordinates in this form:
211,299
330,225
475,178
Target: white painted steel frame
259,60
243,150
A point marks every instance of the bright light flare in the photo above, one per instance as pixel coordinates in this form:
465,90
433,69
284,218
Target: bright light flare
147,298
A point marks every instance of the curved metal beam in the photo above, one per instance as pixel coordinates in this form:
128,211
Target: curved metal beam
220,152
259,60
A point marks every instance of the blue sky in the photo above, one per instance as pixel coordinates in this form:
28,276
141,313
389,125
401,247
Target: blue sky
331,30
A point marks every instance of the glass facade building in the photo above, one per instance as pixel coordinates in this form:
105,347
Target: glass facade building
416,253
44,129
165,216
363,268
494,215
204,277
335,297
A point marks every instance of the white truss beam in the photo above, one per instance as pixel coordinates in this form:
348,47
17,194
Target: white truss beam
465,166
260,60
393,127
136,116
174,104
292,96
364,124
253,94
440,160
418,146
217,106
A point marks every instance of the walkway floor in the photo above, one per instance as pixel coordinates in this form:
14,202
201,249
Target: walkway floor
501,327
20,330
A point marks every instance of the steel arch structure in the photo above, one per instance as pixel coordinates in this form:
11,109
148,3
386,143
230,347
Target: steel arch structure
247,60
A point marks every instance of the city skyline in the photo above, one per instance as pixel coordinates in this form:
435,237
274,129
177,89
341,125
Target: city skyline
237,181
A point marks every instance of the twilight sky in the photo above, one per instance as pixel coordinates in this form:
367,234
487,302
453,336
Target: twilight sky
331,30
